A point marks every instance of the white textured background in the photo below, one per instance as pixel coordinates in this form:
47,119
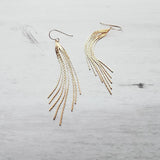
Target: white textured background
119,127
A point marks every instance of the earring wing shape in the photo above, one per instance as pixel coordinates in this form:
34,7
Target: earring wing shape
67,73
97,66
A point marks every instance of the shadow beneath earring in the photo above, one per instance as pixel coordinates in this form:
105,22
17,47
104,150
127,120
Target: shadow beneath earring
29,32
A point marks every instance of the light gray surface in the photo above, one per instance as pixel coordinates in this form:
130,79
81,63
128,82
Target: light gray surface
123,126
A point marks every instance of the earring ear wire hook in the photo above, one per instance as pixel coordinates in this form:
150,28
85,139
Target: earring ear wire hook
57,39
112,26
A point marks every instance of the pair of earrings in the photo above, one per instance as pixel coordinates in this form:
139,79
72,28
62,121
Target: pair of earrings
68,73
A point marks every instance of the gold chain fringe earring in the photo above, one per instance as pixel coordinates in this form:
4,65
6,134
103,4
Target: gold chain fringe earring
67,72
97,66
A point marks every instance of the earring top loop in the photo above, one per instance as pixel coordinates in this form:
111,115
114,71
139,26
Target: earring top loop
57,39
112,26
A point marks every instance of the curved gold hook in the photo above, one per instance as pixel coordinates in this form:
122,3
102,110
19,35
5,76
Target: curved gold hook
112,26
57,39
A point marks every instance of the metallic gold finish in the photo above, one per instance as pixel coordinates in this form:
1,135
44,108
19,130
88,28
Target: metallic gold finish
67,72
98,67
